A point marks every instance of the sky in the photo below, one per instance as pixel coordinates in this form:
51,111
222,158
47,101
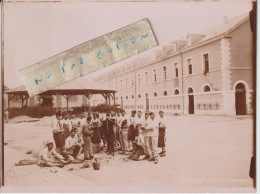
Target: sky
34,31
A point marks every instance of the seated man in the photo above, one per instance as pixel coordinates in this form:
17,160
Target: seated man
73,147
138,144
49,157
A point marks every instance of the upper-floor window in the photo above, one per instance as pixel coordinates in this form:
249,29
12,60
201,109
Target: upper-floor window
164,73
132,80
121,84
189,66
154,75
176,69
146,77
206,63
139,79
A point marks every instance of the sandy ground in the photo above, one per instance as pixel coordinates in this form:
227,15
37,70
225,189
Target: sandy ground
204,154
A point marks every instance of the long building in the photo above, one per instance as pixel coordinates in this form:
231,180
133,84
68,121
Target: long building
209,73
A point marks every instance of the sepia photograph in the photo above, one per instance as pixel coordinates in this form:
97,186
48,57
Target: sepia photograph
128,96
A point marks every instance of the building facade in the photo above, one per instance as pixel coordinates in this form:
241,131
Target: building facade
209,73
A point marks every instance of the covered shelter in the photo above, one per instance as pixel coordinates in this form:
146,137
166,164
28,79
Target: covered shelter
75,87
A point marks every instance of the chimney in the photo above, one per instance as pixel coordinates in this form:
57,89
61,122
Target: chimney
225,19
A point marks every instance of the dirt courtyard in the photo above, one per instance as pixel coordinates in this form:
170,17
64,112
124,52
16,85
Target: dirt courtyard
204,154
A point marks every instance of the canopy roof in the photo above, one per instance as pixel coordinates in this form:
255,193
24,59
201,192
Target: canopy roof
78,86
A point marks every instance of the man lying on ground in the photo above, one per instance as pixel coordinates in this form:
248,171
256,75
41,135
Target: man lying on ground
50,158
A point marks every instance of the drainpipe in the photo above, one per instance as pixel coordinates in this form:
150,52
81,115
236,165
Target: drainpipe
182,91
135,85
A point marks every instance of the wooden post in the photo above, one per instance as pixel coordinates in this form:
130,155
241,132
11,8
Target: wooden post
8,100
67,102
114,97
109,99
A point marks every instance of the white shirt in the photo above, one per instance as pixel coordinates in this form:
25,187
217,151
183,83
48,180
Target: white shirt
140,140
49,156
71,142
144,125
152,127
139,121
56,126
162,122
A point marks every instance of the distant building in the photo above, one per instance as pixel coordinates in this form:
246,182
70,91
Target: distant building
209,73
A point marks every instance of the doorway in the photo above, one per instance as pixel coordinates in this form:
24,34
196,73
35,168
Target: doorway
191,101
240,98
46,101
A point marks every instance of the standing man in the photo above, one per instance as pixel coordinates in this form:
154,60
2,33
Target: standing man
123,132
161,135
66,126
152,125
145,134
108,130
57,132
139,119
87,134
132,123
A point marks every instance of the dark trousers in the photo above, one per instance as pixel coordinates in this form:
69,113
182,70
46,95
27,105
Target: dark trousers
58,139
137,152
110,142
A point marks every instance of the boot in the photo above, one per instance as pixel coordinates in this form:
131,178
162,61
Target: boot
151,158
163,154
156,160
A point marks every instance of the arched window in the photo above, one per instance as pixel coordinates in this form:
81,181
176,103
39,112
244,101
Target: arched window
206,88
190,90
121,97
126,97
146,95
165,93
176,92
133,97
139,95
155,94
240,86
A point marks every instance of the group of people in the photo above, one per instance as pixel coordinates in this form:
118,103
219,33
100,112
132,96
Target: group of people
134,136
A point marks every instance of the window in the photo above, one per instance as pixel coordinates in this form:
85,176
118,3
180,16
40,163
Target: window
146,77
139,79
139,95
176,92
146,95
126,97
165,93
154,75
164,73
132,80
206,88
133,97
176,69
206,63
189,66
155,94
121,84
